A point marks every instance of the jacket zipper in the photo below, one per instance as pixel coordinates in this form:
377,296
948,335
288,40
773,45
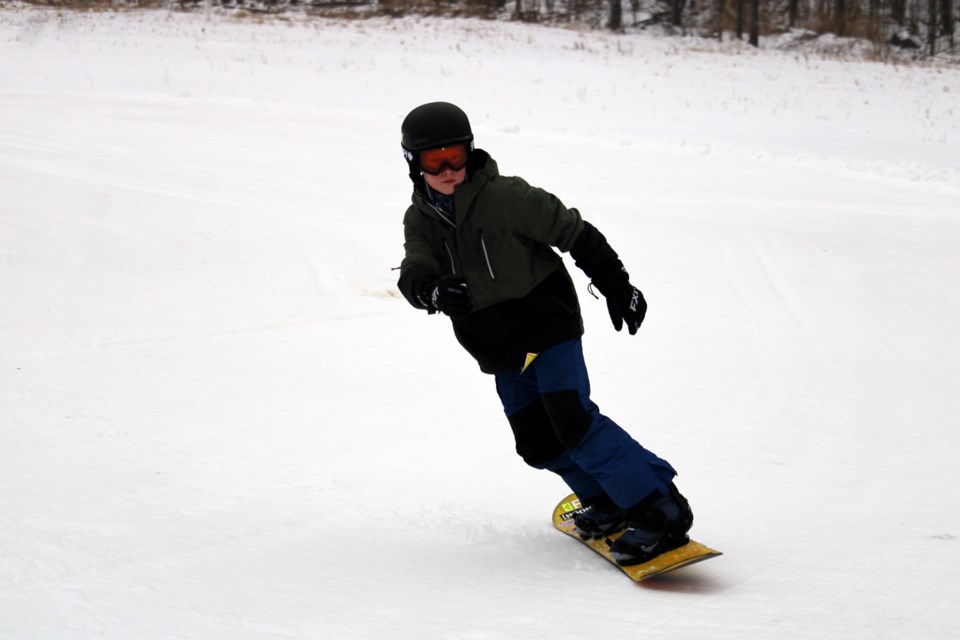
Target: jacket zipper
443,216
453,265
486,256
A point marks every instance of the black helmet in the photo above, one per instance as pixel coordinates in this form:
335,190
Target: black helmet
436,124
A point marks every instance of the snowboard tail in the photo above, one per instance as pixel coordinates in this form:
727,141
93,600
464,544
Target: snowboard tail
669,561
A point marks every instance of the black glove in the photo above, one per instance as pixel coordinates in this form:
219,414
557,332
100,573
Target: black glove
626,304
448,294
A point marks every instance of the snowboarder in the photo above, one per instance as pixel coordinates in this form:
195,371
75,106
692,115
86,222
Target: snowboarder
479,248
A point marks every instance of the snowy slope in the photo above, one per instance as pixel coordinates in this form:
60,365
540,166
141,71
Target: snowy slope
218,419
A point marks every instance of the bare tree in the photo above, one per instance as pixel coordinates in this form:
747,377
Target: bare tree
676,13
719,17
740,19
898,11
949,20
923,27
616,16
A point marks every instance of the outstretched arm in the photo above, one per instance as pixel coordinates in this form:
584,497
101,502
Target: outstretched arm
594,255
425,290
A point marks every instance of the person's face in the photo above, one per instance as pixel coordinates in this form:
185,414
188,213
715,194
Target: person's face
444,167
446,181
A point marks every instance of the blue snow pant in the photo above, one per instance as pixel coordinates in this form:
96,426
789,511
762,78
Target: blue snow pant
557,427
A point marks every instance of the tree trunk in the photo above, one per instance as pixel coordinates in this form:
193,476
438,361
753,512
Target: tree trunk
676,13
755,23
740,19
948,19
616,16
841,18
720,7
933,27
898,12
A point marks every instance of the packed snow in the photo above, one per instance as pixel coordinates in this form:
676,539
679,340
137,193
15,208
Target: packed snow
220,420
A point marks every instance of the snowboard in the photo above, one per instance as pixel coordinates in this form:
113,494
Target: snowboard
680,557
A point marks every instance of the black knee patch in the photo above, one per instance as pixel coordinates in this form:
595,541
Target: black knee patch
569,419
536,440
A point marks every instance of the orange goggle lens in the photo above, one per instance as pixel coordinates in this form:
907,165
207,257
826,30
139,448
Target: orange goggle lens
433,161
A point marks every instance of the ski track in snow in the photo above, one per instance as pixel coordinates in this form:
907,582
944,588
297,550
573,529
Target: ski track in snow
219,419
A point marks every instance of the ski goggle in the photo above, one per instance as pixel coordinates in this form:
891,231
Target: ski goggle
434,161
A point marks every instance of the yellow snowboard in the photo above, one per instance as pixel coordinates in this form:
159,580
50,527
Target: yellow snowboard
680,557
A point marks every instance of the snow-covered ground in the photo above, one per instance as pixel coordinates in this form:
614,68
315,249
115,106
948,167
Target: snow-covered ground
219,420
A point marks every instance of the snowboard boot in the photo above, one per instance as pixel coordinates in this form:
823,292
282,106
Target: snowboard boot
657,525
600,518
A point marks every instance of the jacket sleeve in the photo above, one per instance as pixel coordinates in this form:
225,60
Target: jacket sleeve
594,255
544,218
419,265
548,221
412,283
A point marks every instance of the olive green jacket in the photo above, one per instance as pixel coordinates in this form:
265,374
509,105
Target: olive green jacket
502,242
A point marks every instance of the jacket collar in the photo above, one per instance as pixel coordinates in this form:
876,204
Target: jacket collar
481,169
